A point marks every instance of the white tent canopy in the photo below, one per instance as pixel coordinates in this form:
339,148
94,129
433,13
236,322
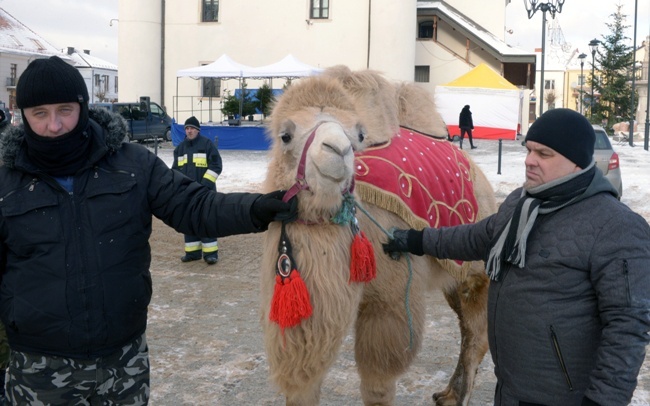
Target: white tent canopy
224,67
288,67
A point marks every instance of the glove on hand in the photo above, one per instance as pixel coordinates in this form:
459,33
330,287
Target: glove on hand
404,241
270,207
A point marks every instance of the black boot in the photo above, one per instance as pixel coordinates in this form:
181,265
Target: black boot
190,257
211,259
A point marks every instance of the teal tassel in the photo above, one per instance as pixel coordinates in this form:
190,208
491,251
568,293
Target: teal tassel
347,212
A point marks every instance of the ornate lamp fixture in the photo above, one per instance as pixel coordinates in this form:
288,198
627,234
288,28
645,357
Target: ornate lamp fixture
551,6
582,57
593,46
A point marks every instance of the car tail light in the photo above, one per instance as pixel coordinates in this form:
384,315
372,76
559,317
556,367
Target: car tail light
613,162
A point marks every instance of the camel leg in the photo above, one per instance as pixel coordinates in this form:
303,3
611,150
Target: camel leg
469,301
384,347
305,397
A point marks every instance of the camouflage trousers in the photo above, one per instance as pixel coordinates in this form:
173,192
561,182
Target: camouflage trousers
121,378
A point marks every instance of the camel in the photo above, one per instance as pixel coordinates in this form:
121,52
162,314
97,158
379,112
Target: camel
321,128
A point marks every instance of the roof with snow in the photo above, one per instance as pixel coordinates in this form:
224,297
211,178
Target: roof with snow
85,60
17,38
470,28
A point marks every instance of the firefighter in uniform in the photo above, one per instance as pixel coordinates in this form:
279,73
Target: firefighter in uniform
198,158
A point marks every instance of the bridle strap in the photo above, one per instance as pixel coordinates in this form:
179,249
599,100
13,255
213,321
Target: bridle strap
301,182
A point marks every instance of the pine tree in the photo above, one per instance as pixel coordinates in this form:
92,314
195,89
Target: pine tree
615,60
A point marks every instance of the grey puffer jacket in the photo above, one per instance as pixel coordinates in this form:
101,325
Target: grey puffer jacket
574,321
75,266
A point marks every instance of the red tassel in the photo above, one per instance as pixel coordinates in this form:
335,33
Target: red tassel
363,267
290,303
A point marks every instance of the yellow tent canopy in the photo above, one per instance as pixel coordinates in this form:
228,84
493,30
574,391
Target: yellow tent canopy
484,77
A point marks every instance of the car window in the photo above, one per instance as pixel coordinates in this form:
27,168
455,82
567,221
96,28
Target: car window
602,141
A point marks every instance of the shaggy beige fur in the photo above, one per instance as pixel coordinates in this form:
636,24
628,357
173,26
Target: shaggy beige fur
348,111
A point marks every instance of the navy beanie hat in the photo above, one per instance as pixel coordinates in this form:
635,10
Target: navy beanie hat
192,122
50,81
567,132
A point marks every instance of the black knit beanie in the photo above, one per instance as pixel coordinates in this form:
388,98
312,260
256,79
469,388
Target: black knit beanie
192,122
567,132
50,81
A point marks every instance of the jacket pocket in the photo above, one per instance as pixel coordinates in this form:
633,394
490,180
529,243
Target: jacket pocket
31,215
558,352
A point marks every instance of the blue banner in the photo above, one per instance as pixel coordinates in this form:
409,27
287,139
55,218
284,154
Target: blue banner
227,137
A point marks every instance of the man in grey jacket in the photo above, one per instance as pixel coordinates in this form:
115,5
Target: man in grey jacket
569,299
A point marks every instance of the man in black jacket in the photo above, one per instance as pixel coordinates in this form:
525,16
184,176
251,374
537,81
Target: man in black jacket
198,158
76,207
569,297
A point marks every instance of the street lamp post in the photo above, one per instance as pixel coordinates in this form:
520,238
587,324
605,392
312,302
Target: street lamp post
593,46
552,6
582,57
632,107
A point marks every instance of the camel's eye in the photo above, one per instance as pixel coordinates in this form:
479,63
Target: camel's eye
286,138
361,131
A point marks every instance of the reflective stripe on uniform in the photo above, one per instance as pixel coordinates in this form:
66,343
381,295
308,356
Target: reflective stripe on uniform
210,247
211,176
200,160
182,160
193,246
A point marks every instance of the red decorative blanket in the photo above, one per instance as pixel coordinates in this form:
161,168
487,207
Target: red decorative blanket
424,180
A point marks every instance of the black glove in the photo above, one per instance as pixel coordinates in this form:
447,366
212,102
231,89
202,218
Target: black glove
404,241
270,207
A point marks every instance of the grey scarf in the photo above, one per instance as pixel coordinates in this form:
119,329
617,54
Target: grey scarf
509,246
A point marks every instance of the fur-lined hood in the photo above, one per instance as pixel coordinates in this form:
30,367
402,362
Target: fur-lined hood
113,125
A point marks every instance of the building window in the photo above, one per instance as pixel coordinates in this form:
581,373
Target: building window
210,11
13,69
425,29
320,9
115,84
549,84
211,87
38,44
105,79
581,80
97,81
15,40
422,74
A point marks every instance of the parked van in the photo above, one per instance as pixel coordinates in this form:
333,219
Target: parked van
142,125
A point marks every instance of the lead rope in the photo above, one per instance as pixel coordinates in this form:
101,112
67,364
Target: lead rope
407,303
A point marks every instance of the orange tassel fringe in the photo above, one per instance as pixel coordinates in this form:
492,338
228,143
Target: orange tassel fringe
290,303
363,267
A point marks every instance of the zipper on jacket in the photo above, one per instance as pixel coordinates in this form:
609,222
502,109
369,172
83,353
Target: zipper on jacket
30,187
558,352
626,274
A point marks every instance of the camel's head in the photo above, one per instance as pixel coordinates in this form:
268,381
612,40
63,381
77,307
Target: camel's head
315,131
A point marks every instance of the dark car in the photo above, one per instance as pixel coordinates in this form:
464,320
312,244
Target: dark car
142,125
607,159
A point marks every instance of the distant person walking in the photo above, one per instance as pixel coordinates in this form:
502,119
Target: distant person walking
466,125
198,158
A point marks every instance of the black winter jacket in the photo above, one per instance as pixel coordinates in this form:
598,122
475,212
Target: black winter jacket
199,160
465,118
574,321
75,266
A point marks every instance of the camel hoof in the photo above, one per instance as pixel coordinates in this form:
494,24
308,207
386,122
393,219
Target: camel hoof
446,398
